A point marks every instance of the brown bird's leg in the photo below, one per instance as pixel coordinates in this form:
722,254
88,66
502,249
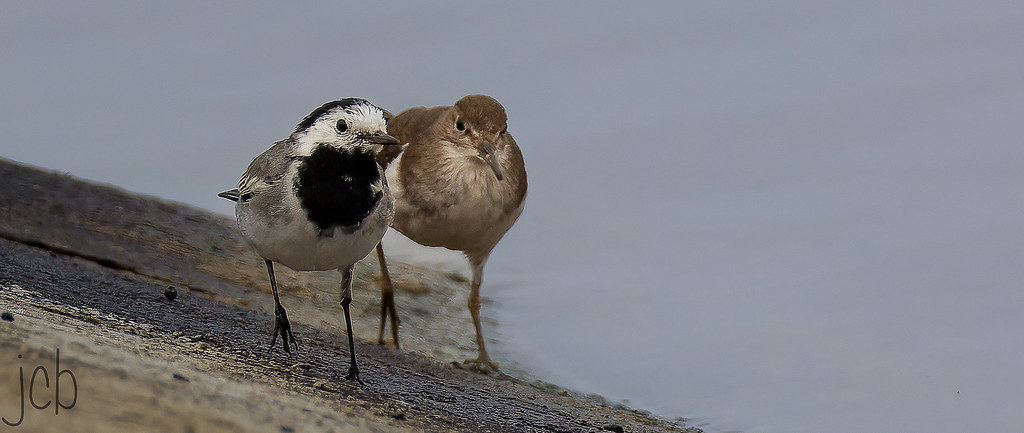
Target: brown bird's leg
387,300
483,362
280,317
346,299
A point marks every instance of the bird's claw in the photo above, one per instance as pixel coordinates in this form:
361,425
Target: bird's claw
479,365
353,374
282,326
387,307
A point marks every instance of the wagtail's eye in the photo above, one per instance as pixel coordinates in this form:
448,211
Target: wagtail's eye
459,125
342,125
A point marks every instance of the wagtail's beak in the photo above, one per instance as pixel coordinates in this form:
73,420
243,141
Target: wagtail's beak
380,138
487,153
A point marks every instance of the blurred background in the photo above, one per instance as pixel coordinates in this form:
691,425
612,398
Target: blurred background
787,217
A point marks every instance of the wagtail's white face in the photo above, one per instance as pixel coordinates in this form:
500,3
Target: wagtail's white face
346,123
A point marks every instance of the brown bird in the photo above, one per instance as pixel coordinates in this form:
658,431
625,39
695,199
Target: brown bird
459,182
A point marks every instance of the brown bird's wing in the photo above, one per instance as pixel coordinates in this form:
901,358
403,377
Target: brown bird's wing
517,171
406,126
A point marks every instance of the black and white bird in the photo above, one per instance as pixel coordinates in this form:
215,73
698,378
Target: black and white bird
318,200
460,182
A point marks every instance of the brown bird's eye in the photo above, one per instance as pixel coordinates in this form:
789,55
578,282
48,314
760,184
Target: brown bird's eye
459,125
342,125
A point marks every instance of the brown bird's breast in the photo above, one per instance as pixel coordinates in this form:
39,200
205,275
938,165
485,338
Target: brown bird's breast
448,197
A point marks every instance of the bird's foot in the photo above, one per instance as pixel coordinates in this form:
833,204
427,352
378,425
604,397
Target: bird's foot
282,326
353,374
481,364
387,307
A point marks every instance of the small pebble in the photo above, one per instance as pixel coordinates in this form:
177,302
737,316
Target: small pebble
180,377
615,428
7,316
170,292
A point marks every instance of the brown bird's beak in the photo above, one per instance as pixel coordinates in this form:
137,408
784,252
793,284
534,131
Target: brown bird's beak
487,153
380,138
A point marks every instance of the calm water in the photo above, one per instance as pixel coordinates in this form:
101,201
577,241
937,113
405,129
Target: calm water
788,218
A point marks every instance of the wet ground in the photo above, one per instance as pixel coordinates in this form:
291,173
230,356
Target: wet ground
160,312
